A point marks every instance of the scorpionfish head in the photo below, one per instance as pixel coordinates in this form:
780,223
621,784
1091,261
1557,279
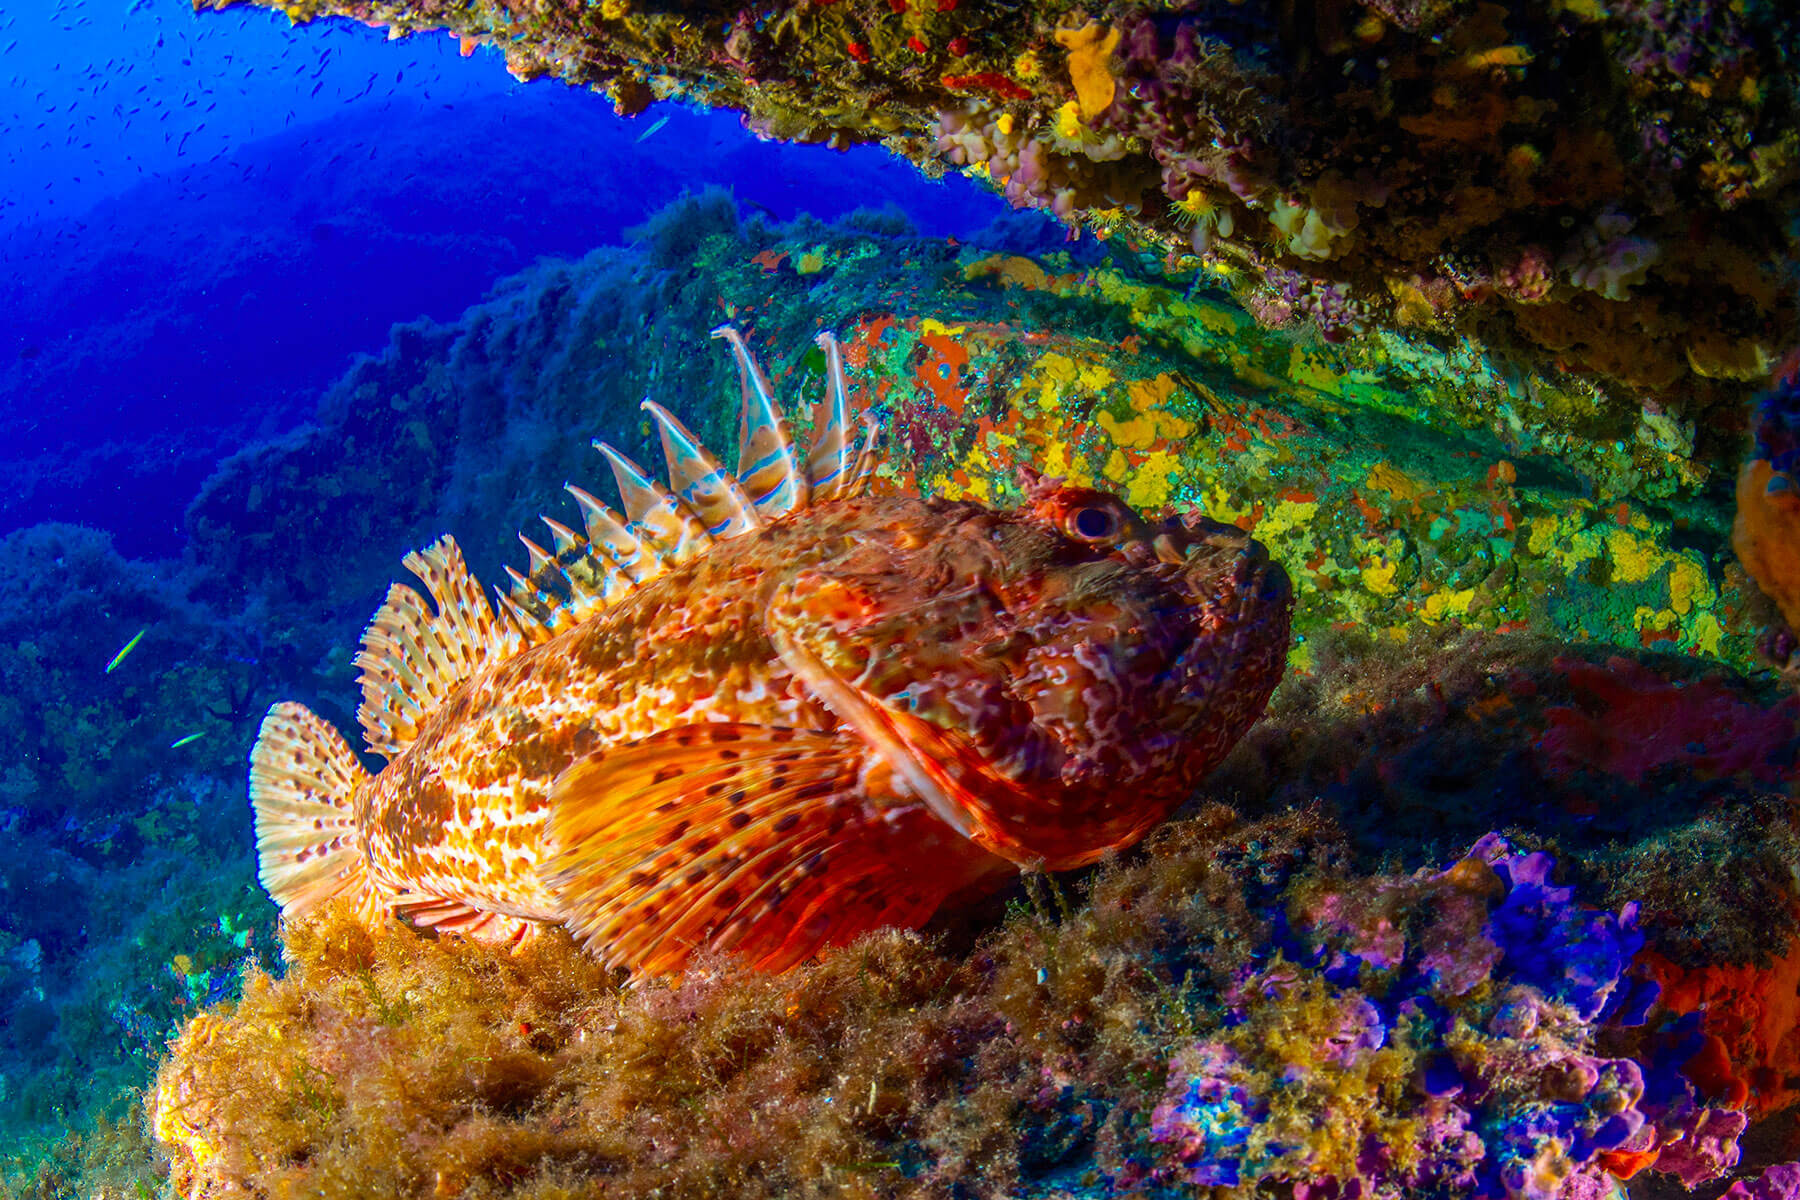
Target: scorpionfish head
1052,680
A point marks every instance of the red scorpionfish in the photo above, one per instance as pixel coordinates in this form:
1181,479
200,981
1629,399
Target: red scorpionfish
765,712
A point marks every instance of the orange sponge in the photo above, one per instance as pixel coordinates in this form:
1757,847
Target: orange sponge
1766,534
1751,1058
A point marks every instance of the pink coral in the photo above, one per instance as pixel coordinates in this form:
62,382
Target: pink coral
1606,259
1779,1182
1528,278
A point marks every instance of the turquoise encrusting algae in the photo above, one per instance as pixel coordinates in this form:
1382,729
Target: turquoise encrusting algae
1034,1053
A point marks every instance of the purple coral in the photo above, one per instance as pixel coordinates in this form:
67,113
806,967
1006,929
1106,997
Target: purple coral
1682,38
1329,305
1568,952
1779,1182
1778,425
1209,1114
1605,258
1023,167
1488,986
1701,1144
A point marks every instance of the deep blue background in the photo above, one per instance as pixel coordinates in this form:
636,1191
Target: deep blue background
202,218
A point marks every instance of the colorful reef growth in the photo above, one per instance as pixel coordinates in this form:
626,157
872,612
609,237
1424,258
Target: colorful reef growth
1601,188
1231,1014
1499,900
1404,488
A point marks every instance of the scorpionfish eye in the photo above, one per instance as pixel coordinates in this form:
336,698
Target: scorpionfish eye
1089,516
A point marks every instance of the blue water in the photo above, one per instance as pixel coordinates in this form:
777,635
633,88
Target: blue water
203,221
203,217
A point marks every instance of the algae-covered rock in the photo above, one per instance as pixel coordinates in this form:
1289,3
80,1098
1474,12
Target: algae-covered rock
1599,189
1231,1009
1512,620
1403,486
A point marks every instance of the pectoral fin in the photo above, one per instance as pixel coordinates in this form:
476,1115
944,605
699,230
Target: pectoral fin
772,843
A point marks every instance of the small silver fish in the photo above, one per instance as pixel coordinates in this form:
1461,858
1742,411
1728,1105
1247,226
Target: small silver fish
126,649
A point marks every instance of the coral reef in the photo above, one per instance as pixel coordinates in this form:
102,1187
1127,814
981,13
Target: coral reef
1479,994
1231,1010
1515,604
1602,188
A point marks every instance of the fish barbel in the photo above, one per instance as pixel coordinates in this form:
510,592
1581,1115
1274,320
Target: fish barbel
765,712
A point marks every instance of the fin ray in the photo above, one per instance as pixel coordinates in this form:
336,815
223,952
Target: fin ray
303,783
768,466
661,523
412,657
700,482
445,915
712,834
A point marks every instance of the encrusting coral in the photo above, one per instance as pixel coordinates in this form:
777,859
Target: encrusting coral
1598,187
1231,1010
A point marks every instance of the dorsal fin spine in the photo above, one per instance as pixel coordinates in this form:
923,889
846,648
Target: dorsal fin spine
828,463
526,628
537,556
866,460
607,533
768,467
661,523
699,481
567,541
530,597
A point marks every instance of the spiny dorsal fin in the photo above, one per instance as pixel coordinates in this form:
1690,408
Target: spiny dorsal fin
412,657
829,466
699,482
303,782
607,533
594,583
768,467
703,503
660,522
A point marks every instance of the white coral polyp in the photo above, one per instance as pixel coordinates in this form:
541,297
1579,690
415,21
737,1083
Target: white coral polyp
1606,260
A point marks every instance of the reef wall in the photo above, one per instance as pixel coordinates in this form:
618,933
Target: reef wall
1511,621
1600,189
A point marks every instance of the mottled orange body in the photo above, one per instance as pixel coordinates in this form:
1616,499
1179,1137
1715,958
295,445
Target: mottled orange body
791,713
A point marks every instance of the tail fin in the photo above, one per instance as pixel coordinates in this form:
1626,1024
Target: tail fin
303,781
